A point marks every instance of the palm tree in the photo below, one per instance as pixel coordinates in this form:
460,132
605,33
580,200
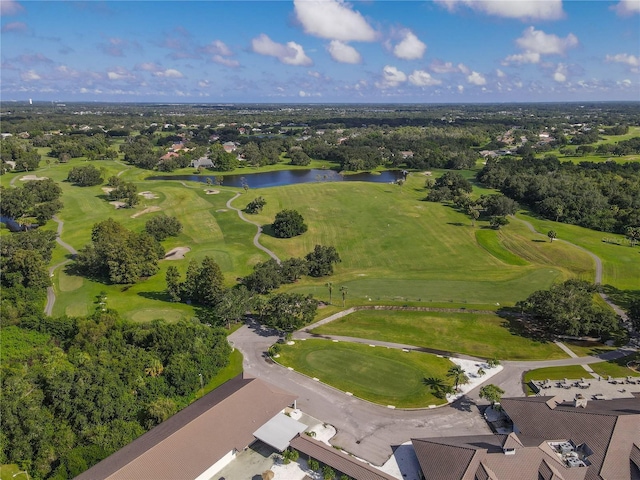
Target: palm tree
330,287
439,387
343,289
459,377
155,369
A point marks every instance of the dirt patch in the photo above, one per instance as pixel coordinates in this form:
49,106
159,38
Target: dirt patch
177,253
148,195
211,192
108,190
118,204
146,210
29,178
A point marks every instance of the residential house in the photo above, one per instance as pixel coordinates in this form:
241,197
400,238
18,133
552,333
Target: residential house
200,440
551,440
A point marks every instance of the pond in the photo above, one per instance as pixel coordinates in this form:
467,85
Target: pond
287,177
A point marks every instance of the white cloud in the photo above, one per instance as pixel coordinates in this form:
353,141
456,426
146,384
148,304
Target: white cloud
464,69
229,62
168,73
476,78
625,58
461,88
218,47
561,73
10,7
438,66
420,78
204,83
522,58
627,7
520,9
410,47
290,54
500,73
537,41
333,19
14,27
343,53
148,67
219,52
391,77
304,94
30,76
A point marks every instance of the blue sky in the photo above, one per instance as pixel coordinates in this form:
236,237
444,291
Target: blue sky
327,51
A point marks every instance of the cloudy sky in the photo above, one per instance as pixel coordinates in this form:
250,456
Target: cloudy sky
321,51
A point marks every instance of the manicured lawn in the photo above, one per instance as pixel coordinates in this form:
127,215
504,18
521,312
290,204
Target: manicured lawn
621,263
395,248
8,471
617,368
554,373
232,370
380,375
585,349
489,240
480,335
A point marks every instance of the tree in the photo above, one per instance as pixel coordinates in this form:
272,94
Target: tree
343,290
497,222
328,473
290,455
491,392
256,205
210,283
633,234
473,212
313,464
438,386
289,311
163,226
85,176
569,308
634,313
173,283
459,376
288,223
551,234
320,261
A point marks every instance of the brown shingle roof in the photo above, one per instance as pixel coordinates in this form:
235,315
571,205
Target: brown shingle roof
337,459
195,438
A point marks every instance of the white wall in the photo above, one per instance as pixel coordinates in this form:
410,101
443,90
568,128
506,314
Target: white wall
216,467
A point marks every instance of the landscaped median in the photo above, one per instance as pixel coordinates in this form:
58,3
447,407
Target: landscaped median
380,375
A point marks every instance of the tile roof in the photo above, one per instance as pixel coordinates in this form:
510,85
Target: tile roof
338,460
198,436
610,429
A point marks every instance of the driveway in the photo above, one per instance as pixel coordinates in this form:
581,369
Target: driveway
366,430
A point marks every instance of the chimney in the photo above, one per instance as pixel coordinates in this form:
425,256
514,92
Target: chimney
580,401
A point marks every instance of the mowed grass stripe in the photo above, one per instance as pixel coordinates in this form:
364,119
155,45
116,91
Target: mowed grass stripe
380,375
479,335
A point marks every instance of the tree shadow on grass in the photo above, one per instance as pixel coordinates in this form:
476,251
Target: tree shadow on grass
456,224
623,298
518,324
268,230
162,296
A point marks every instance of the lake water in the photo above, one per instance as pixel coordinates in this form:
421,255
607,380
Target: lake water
287,177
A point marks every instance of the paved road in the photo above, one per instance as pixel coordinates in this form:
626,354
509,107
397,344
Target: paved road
256,238
51,294
364,429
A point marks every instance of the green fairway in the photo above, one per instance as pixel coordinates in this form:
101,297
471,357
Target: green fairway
621,263
395,248
380,375
479,335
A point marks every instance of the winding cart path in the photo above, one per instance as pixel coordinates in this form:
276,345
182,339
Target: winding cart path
51,294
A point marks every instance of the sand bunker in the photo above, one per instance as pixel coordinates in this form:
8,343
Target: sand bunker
146,210
212,192
177,253
148,195
118,204
29,178
108,190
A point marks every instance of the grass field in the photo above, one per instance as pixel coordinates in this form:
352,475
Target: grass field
395,248
380,375
617,368
586,348
621,263
479,335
